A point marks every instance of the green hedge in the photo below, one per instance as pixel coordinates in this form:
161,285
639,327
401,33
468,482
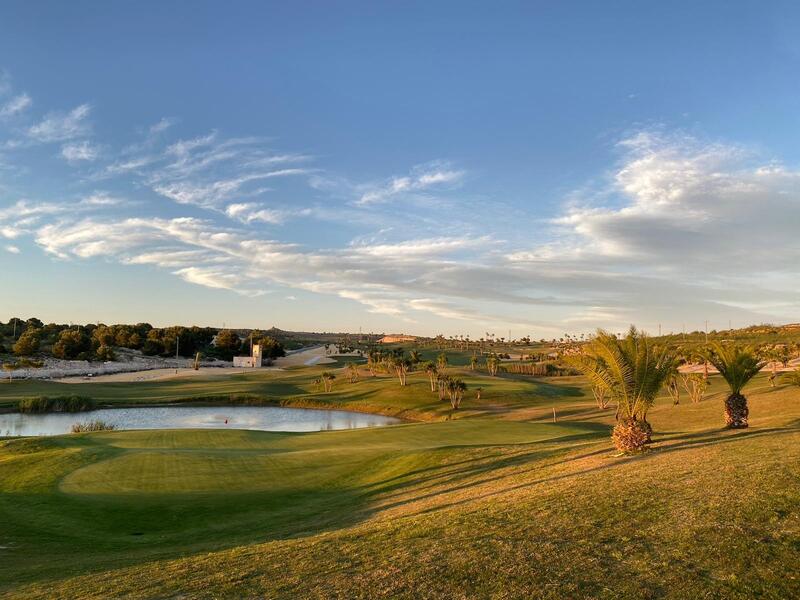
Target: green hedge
45,404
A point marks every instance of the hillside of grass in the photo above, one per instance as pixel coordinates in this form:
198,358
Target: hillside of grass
496,502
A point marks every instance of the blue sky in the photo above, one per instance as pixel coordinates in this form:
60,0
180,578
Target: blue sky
421,167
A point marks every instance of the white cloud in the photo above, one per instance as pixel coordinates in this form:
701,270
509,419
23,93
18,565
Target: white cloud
164,124
80,152
58,127
250,212
421,178
12,249
14,106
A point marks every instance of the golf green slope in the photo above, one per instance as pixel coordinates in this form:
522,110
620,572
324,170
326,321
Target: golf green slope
501,503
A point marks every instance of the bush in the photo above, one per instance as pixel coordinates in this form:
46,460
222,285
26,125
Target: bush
46,404
97,425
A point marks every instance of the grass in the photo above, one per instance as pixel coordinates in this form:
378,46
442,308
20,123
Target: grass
496,502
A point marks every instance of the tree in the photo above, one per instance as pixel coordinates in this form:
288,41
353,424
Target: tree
601,396
738,366
632,371
442,382
228,343
673,389
104,336
28,343
10,367
400,366
414,357
432,372
492,364
473,362
373,360
352,369
456,389
71,343
695,385
270,347
327,380
478,392
105,353
152,347
441,362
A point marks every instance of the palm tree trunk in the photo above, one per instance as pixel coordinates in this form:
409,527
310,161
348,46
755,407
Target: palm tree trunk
631,435
736,411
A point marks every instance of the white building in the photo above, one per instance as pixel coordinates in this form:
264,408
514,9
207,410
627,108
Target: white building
253,361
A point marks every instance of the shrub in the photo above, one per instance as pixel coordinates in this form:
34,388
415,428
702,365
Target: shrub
793,377
45,404
97,425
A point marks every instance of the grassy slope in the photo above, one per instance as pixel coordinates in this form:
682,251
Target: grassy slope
503,503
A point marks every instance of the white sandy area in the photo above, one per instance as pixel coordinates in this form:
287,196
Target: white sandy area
312,356
308,357
154,375
779,368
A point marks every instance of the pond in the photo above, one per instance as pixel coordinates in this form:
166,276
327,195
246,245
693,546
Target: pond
262,418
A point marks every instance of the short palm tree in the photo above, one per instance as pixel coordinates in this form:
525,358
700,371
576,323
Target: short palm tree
456,389
737,365
632,371
327,380
414,357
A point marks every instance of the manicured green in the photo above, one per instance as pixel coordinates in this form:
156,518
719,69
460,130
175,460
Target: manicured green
494,500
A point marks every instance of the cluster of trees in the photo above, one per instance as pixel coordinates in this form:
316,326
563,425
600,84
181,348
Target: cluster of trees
99,341
631,371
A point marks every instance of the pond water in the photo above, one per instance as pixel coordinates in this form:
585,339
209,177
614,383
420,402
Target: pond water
262,418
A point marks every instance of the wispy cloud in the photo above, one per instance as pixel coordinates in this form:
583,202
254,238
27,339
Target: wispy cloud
59,126
80,152
435,175
16,105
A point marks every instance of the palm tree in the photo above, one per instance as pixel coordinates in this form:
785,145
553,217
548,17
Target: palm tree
414,357
327,380
632,371
441,361
432,371
352,369
492,364
473,362
478,392
442,382
456,389
400,366
738,366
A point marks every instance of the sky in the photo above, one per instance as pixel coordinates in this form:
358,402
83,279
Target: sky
462,168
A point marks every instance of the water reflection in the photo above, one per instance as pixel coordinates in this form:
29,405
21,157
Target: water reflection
261,418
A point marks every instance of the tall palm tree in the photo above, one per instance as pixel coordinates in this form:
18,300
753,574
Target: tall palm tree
432,371
632,370
737,365
473,362
441,361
